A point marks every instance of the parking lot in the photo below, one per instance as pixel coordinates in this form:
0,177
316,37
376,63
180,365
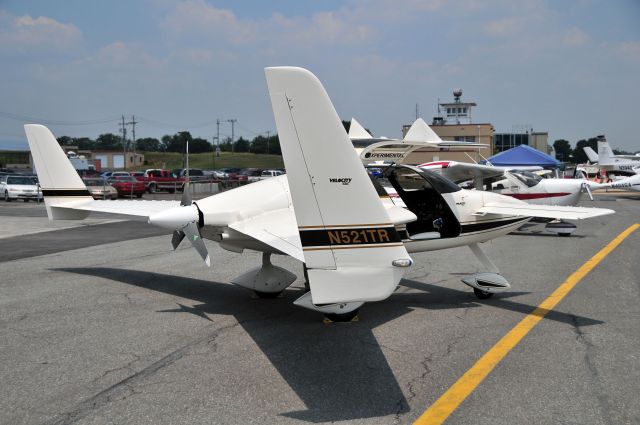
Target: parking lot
101,323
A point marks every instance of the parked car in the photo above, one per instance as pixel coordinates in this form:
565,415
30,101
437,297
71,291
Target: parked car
217,174
270,173
156,179
234,173
137,173
195,174
99,189
127,186
16,186
120,174
253,174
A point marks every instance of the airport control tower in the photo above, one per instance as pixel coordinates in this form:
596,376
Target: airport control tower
456,112
454,122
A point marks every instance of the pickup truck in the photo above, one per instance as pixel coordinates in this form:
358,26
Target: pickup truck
156,179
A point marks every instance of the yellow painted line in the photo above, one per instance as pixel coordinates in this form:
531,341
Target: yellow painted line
439,411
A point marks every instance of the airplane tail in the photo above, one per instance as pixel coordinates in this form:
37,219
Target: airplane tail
593,157
357,131
351,248
605,154
420,131
58,179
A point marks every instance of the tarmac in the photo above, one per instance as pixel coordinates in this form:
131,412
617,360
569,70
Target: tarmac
102,323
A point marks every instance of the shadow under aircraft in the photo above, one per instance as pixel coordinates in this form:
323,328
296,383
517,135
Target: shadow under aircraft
340,372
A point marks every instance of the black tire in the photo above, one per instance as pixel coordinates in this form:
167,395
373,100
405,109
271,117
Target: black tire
170,190
307,287
342,317
6,196
564,235
267,295
153,188
138,195
483,295
25,200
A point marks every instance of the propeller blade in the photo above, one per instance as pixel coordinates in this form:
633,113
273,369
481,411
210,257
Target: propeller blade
186,200
178,236
193,234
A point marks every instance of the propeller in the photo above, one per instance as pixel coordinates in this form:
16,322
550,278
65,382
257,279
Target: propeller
185,220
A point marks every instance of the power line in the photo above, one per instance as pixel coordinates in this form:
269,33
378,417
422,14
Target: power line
23,118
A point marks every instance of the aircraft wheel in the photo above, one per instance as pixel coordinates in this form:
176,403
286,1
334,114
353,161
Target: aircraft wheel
267,295
483,295
351,316
307,287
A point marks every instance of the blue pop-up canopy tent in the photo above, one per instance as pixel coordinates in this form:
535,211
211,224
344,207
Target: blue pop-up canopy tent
523,155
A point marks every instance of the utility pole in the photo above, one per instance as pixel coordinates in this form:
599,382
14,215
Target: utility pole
123,130
268,134
233,122
133,123
218,131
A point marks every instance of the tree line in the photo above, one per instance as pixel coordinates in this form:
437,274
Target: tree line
175,143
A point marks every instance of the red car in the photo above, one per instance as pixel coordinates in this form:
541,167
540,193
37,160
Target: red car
127,186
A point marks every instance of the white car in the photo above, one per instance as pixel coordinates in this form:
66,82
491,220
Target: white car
19,187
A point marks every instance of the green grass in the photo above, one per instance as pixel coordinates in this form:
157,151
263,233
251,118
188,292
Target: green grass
206,161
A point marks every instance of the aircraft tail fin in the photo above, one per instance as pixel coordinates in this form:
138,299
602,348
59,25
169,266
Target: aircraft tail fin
352,251
421,132
605,154
58,179
591,154
357,131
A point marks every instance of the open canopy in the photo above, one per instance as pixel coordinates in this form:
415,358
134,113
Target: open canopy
523,155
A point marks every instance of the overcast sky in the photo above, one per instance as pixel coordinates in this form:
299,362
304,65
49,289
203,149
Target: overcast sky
571,68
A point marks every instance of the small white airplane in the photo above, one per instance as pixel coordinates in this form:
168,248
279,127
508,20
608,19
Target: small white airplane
631,184
611,163
420,135
353,241
519,184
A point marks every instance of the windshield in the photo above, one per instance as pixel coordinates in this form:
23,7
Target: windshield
22,180
527,177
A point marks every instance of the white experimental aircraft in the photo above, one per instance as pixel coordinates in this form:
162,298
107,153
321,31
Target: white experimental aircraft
519,184
611,163
325,212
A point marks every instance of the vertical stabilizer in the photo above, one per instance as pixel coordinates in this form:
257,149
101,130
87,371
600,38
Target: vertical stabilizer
350,245
605,154
591,155
421,132
58,179
357,131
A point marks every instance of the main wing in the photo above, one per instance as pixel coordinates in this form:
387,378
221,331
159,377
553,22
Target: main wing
542,211
459,172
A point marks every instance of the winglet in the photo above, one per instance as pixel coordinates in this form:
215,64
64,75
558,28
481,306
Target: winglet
349,242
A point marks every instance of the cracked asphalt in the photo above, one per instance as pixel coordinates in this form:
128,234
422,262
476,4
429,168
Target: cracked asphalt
104,324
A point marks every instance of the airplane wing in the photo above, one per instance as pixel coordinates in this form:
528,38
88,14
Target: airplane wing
459,172
543,211
139,208
276,228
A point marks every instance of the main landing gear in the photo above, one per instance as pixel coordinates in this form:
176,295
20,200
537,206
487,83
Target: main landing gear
340,313
266,281
488,283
